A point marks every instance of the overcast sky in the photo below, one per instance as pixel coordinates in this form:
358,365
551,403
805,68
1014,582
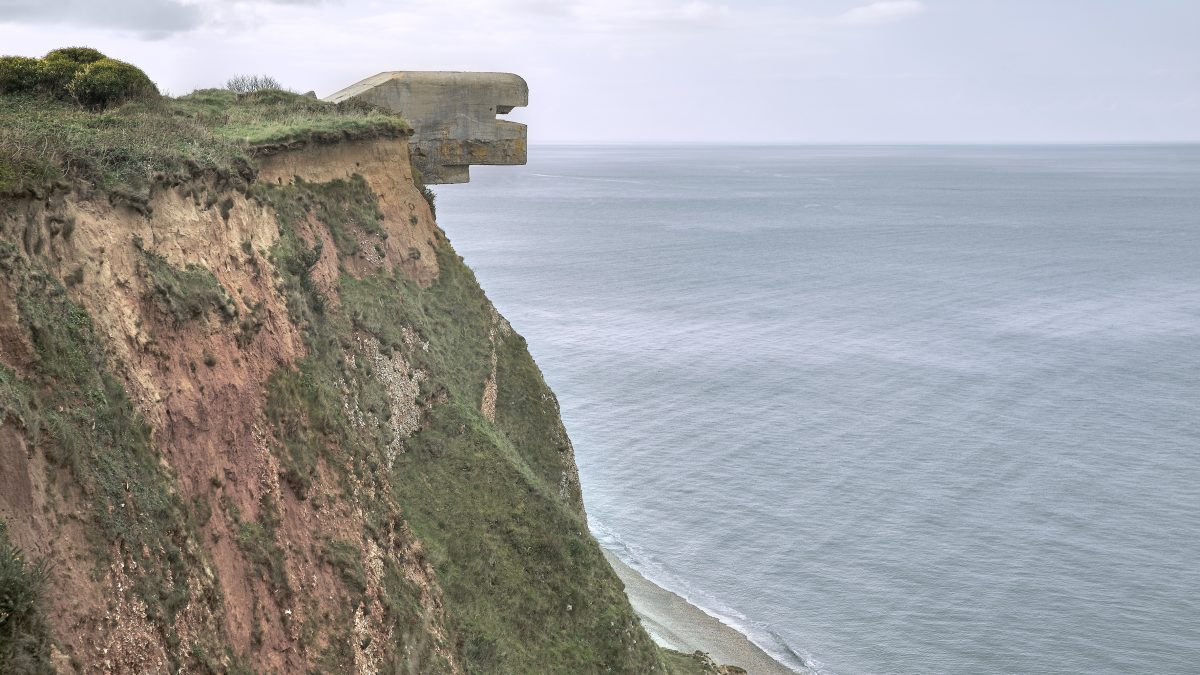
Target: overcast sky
773,71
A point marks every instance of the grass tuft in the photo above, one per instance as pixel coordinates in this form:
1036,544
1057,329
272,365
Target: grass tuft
184,294
345,557
24,634
257,540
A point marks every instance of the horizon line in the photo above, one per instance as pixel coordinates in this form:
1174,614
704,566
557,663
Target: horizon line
924,143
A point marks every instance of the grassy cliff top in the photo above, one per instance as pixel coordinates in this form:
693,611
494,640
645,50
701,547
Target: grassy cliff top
126,147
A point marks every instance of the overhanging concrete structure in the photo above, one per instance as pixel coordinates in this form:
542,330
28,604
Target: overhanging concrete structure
453,117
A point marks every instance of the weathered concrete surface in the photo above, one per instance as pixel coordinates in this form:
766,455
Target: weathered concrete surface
453,116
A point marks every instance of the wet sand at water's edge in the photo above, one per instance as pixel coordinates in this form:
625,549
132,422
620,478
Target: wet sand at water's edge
677,624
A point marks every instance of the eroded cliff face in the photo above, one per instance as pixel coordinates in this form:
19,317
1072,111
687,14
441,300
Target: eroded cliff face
271,423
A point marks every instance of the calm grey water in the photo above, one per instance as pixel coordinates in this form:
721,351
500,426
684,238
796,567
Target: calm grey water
887,410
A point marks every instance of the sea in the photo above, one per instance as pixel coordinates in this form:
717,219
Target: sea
905,409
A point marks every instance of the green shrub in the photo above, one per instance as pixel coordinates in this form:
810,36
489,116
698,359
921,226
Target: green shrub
79,73
108,81
58,69
55,75
80,55
18,74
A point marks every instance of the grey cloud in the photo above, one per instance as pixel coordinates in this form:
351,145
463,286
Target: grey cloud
153,19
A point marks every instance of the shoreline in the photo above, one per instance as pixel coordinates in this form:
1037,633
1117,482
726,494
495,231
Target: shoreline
677,624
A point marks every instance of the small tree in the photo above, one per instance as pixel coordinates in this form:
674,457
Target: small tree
245,84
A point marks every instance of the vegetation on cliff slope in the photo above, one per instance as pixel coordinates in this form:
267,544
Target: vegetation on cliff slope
526,587
24,636
47,135
184,294
73,409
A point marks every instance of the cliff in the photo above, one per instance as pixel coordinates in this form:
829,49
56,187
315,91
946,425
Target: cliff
256,415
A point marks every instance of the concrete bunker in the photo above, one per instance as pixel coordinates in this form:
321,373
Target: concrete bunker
453,115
